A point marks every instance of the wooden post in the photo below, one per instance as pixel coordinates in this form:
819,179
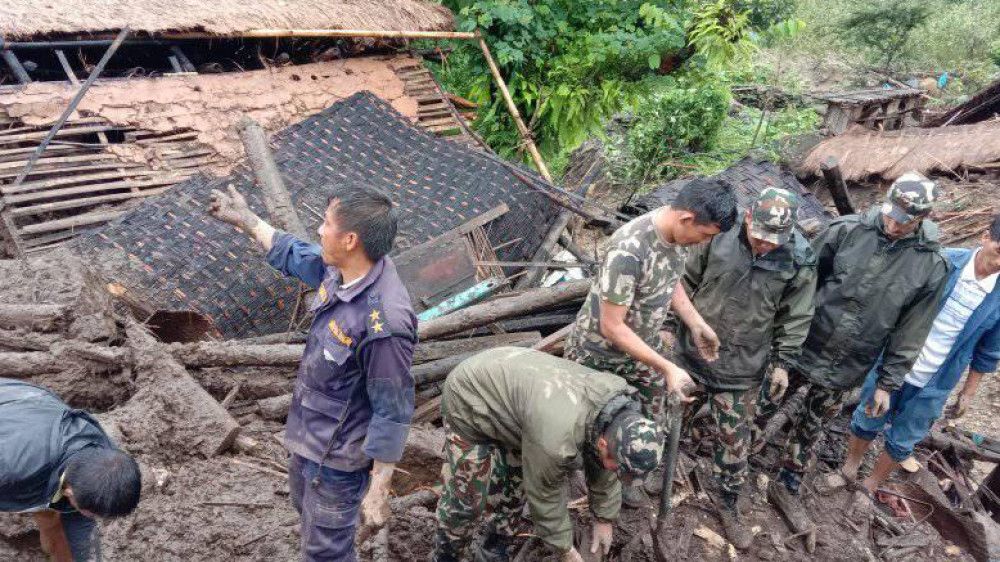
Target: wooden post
182,59
15,66
67,68
838,188
279,203
521,127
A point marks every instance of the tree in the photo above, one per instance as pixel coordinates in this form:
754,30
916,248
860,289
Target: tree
885,26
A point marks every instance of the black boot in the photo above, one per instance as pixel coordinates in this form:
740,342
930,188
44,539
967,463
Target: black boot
735,530
444,550
493,547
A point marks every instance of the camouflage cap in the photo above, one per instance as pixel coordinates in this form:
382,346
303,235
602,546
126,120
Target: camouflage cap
910,197
639,448
773,215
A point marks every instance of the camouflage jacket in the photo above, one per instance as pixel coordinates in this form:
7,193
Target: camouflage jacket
640,271
875,296
543,408
760,306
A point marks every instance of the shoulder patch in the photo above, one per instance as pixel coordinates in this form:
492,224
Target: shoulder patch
378,324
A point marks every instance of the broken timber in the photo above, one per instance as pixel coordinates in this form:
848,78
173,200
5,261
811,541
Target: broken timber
503,308
35,317
838,188
279,204
165,386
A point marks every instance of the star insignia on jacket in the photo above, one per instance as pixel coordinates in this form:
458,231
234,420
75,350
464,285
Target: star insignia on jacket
377,327
375,316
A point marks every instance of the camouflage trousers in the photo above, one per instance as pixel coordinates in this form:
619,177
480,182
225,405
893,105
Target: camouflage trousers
732,411
478,479
821,406
651,385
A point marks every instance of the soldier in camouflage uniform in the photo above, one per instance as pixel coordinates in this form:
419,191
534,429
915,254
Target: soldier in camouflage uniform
880,277
618,329
519,422
755,285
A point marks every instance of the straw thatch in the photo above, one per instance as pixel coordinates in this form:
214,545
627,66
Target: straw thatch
984,105
21,19
891,154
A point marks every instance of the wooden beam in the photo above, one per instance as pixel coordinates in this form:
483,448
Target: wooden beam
84,202
838,188
61,224
15,66
67,68
512,108
280,210
379,34
185,62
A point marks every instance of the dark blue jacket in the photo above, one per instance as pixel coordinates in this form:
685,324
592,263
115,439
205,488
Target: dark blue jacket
38,435
354,380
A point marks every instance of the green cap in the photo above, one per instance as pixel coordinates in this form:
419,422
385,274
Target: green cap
773,215
639,447
910,197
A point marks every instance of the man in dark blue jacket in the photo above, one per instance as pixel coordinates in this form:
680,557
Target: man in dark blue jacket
965,335
353,400
58,464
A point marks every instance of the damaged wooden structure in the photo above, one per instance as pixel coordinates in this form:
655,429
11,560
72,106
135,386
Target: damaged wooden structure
877,109
168,102
167,254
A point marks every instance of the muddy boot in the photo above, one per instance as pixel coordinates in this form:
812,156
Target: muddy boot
735,530
492,547
784,494
444,550
634,497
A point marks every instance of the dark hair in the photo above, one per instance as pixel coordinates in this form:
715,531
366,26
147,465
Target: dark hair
104,481
995,229
711,201
368,213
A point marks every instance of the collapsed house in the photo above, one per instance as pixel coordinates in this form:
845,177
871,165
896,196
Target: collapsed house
168,101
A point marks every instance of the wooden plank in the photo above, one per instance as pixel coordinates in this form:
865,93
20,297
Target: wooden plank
109,165
67,68
59,160
463,229
84,202
439,121
62,224
74,179
422,115
126,184
45,241
6,139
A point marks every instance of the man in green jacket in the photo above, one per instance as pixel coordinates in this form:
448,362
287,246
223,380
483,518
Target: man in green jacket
519,422
880,277
755,286
618,328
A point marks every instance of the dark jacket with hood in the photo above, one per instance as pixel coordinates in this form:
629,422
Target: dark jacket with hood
875,297
760,306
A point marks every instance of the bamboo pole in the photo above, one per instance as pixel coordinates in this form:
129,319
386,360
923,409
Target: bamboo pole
521,127
377,34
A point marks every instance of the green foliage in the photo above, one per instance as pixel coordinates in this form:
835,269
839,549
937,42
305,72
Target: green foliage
762,14
679,115
721,34
884,26
569,65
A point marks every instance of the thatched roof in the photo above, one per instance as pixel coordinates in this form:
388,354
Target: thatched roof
891,154
984,105
32,18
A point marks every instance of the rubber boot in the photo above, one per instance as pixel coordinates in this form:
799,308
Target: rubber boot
634,497
493,547
444,550
784,494
729,514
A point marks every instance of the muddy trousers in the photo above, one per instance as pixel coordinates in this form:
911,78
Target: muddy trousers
732,413
478,479
821,406
328,502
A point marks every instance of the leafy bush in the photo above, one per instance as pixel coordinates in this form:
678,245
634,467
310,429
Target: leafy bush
569,65
720,33
762,14
679,115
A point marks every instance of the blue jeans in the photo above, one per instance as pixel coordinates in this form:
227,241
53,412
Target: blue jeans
79,531
909,419
329,508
